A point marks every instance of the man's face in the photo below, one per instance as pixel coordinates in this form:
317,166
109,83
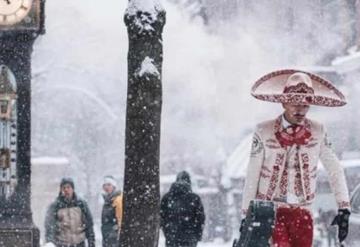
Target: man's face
295,114
108,188
67,191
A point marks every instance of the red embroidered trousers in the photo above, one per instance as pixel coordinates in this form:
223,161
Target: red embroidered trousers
293,228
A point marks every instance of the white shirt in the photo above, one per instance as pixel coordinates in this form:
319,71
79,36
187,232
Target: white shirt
291,197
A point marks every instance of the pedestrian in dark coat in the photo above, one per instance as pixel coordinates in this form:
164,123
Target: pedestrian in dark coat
182,214
111,213
68,220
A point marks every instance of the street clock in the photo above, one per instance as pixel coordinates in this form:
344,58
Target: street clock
21,22
20,15
13,11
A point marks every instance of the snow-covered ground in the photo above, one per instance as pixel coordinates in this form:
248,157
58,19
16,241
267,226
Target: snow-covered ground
215,243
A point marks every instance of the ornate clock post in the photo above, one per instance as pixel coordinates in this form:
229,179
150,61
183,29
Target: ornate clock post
21,21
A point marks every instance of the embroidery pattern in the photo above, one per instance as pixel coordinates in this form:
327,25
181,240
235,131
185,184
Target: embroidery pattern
313,172
271,141
264,175
306,172
284,181
300,99
275,175
273,146
265,168
301,87
344,204
264,172
311,145
257,146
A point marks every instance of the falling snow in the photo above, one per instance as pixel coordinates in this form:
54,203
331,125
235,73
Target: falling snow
213,52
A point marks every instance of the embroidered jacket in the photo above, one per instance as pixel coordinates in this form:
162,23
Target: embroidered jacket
269,161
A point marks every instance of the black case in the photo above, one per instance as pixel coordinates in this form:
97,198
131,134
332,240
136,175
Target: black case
258,226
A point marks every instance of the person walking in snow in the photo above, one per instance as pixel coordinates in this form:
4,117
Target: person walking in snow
111,215
182,214
68,220
285,154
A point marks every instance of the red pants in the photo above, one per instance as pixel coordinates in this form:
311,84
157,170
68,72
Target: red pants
293,228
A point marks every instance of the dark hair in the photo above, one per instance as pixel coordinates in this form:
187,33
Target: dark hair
67,180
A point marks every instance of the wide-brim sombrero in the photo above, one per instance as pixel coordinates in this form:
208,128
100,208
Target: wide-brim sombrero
271,88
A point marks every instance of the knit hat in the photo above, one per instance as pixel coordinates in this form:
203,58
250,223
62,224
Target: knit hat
110,180
297,87
67,180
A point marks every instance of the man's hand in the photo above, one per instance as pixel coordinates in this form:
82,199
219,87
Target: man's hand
342,220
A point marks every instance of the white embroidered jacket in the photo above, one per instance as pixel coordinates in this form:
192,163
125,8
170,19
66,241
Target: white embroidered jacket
268,161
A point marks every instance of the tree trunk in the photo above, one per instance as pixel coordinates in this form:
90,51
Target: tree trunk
140,226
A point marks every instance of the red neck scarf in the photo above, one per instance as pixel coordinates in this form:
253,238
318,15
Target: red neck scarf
294,134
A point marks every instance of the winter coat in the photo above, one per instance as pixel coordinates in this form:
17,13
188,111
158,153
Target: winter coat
182,215
69,222
268,163
111,218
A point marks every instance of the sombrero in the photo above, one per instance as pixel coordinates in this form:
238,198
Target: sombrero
297,87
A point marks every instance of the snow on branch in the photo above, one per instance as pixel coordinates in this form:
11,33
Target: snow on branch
147,68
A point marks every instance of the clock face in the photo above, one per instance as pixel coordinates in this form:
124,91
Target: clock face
13,11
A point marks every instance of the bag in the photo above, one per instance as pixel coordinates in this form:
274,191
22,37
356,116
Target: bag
257,228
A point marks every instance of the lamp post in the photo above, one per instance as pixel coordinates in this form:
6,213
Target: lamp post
21,21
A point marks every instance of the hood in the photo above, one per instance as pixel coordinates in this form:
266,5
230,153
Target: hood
183,176
180,188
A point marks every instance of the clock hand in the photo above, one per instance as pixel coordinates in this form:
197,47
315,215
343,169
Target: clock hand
7,1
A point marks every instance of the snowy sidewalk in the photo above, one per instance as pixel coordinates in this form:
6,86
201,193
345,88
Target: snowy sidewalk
215,243
212,244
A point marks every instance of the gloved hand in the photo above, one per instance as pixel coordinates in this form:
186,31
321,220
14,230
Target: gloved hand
342,220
